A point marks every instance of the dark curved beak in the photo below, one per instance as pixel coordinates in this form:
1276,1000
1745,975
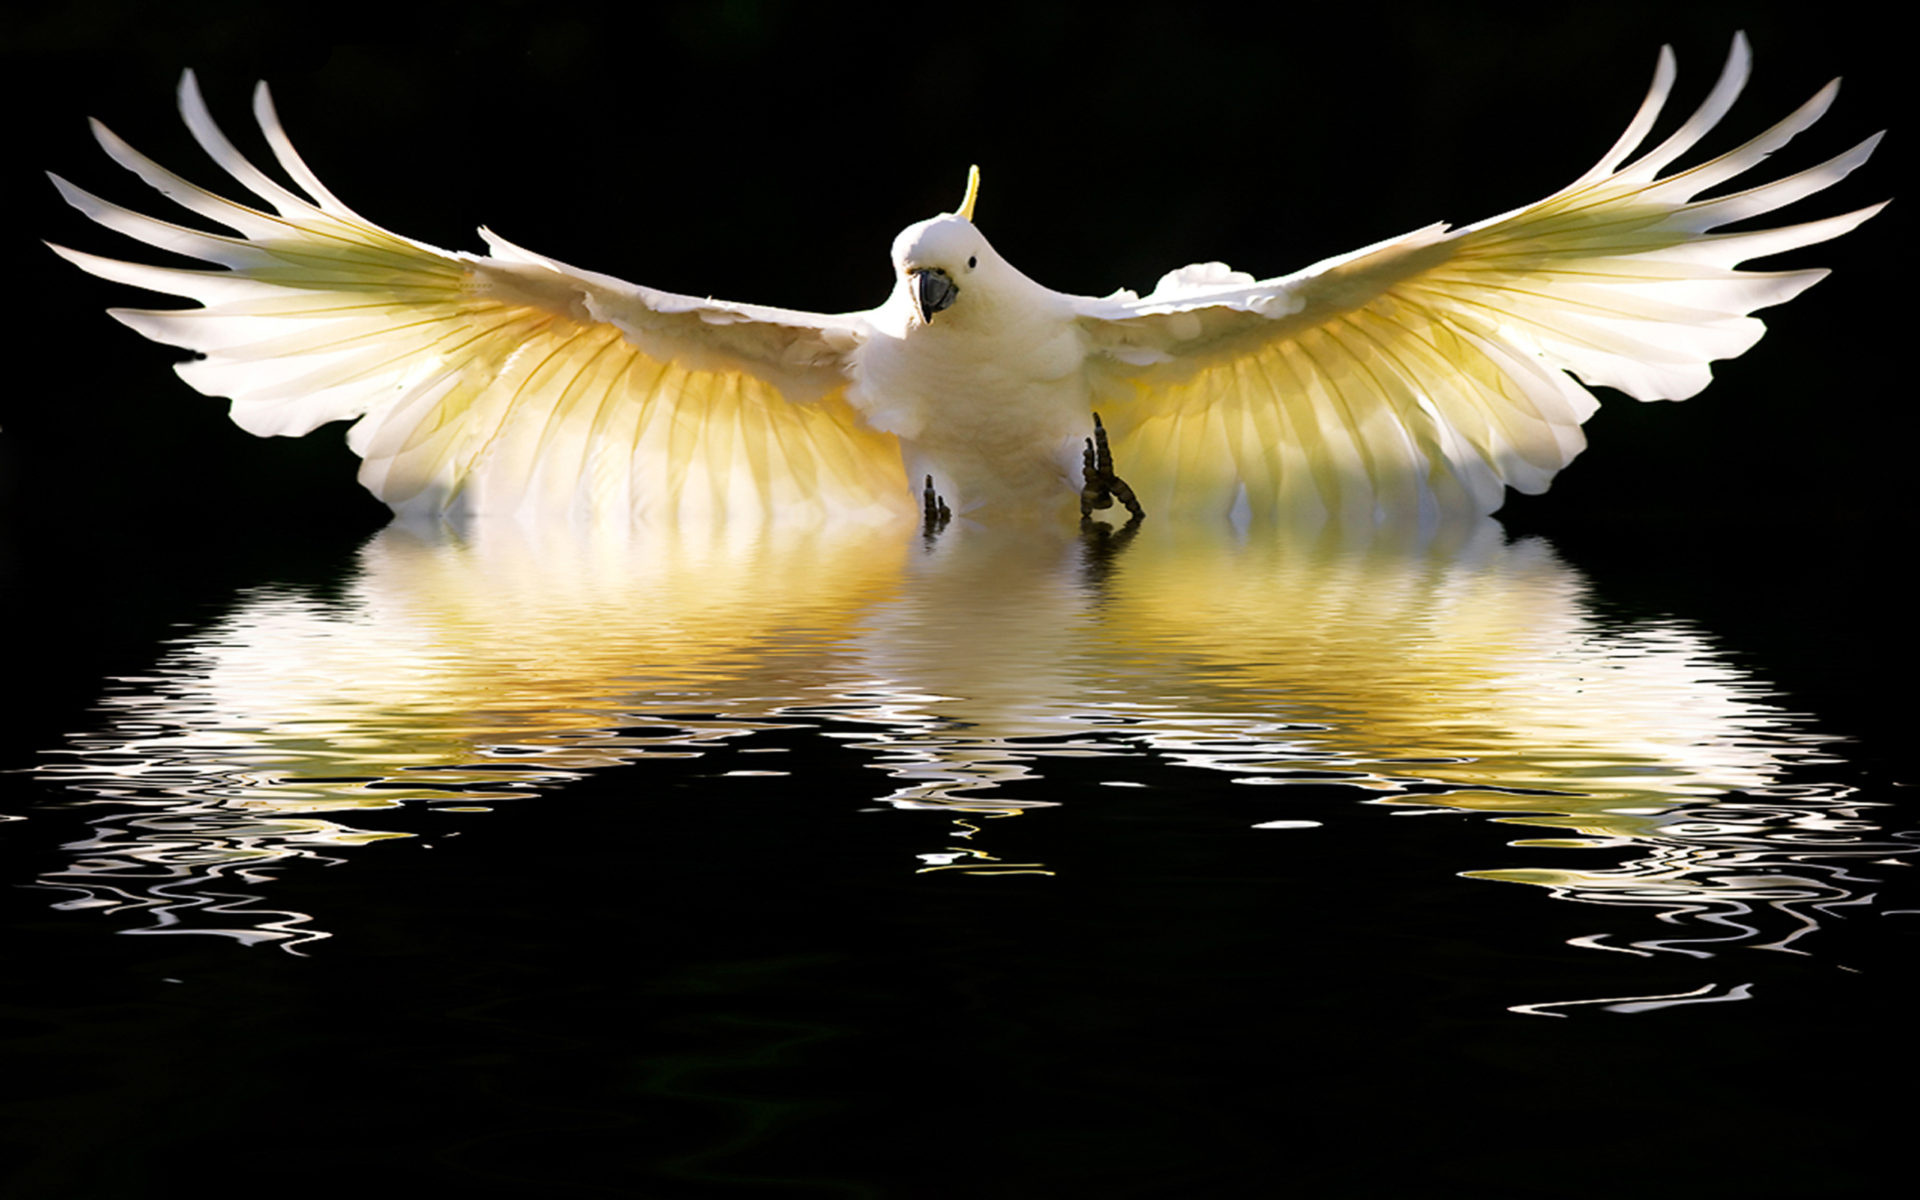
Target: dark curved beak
933,290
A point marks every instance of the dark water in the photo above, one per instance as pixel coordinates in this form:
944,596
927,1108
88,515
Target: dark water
854,865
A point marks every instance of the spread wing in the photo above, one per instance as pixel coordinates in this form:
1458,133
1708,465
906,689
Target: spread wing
1428,373
502,383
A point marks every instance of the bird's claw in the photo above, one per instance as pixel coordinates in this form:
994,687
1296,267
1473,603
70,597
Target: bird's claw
935,510
1101,487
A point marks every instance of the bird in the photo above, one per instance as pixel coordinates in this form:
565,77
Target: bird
1410,381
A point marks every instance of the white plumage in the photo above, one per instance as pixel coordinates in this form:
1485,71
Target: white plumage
1410,380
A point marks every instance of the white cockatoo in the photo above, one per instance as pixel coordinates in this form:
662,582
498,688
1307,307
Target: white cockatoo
1409,380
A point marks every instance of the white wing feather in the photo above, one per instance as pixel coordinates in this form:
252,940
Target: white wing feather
1427,373
1422,375
507,383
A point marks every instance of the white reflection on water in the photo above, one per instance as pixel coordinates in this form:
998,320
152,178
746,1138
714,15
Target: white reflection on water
1456,673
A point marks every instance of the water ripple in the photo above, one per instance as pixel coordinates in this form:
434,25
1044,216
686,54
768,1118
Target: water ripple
1464,674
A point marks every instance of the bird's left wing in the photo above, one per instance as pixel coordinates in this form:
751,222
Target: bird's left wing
1426,374
501,383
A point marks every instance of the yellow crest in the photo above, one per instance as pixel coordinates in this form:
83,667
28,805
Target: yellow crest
973,193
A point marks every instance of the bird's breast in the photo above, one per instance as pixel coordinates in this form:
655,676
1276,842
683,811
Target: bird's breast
933,381
991,419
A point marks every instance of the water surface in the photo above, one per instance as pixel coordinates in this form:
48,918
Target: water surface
792,827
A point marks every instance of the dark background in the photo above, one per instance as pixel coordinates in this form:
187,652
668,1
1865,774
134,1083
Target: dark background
468,1029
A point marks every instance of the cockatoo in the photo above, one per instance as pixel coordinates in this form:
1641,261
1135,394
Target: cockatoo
1410,380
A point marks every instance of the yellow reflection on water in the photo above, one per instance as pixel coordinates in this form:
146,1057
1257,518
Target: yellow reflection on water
1455,671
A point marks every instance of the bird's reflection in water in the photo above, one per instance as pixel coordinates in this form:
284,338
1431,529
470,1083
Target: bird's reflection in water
1452,671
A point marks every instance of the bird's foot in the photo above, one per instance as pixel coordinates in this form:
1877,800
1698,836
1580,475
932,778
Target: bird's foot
1100,486
936,514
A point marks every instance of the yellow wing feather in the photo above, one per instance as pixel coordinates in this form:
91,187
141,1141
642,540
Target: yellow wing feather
1426,374
497,385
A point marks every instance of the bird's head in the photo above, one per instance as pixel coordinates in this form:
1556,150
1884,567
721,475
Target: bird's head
942,257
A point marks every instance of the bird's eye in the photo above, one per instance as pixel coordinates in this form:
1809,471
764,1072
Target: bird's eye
972,262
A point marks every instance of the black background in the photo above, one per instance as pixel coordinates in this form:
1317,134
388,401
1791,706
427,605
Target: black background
1112,1039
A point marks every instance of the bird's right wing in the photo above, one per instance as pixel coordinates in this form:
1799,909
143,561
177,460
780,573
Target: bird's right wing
1428,373
502,383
